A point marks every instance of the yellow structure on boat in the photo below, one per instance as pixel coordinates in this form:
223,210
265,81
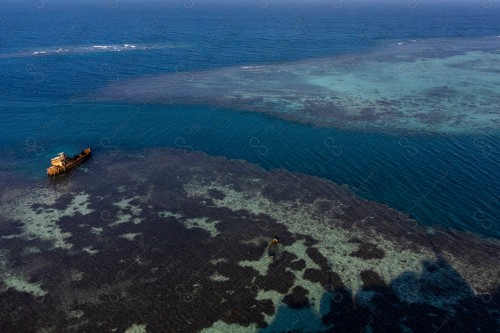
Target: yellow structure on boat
62,162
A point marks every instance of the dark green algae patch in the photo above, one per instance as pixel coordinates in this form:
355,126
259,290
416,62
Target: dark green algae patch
173,241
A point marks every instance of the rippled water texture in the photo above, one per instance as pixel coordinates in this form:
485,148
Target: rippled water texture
433,85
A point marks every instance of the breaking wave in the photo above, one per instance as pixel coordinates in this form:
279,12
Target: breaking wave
98,48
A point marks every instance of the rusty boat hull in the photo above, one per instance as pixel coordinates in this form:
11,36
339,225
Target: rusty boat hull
64,163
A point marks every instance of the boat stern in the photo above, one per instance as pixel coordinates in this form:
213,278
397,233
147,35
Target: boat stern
51,171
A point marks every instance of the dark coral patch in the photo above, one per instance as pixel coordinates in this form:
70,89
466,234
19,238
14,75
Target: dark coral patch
277,193
63,201
216,194
371,278
278,277
355,240
281,281
297,299
329,280
249,226
318,258
324,206
293,190
9,227
308,240
314,275
368,251
298,265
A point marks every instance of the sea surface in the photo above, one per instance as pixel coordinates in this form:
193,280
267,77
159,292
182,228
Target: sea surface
55,58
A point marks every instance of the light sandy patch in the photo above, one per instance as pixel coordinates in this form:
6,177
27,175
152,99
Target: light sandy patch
90,250
219,277
76,275
259,265
218,260
30,250
96,231
19,283
125,204
201,222
222,327
75,314
170,214
11,237
79,204
42,223
130,236
136,328
123,217
256,241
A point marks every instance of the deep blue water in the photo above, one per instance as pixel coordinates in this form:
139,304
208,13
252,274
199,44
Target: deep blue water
451,181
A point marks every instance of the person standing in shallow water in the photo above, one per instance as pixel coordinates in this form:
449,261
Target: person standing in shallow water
275,248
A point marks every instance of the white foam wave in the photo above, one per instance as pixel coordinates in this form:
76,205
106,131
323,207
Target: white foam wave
250,67
79,49
93,48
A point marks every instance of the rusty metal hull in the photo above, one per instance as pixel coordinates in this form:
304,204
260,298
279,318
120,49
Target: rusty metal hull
70,163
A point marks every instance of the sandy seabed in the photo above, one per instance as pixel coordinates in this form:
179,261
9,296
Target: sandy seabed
438,85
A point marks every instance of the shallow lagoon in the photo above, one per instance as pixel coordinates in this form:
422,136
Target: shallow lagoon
442,85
